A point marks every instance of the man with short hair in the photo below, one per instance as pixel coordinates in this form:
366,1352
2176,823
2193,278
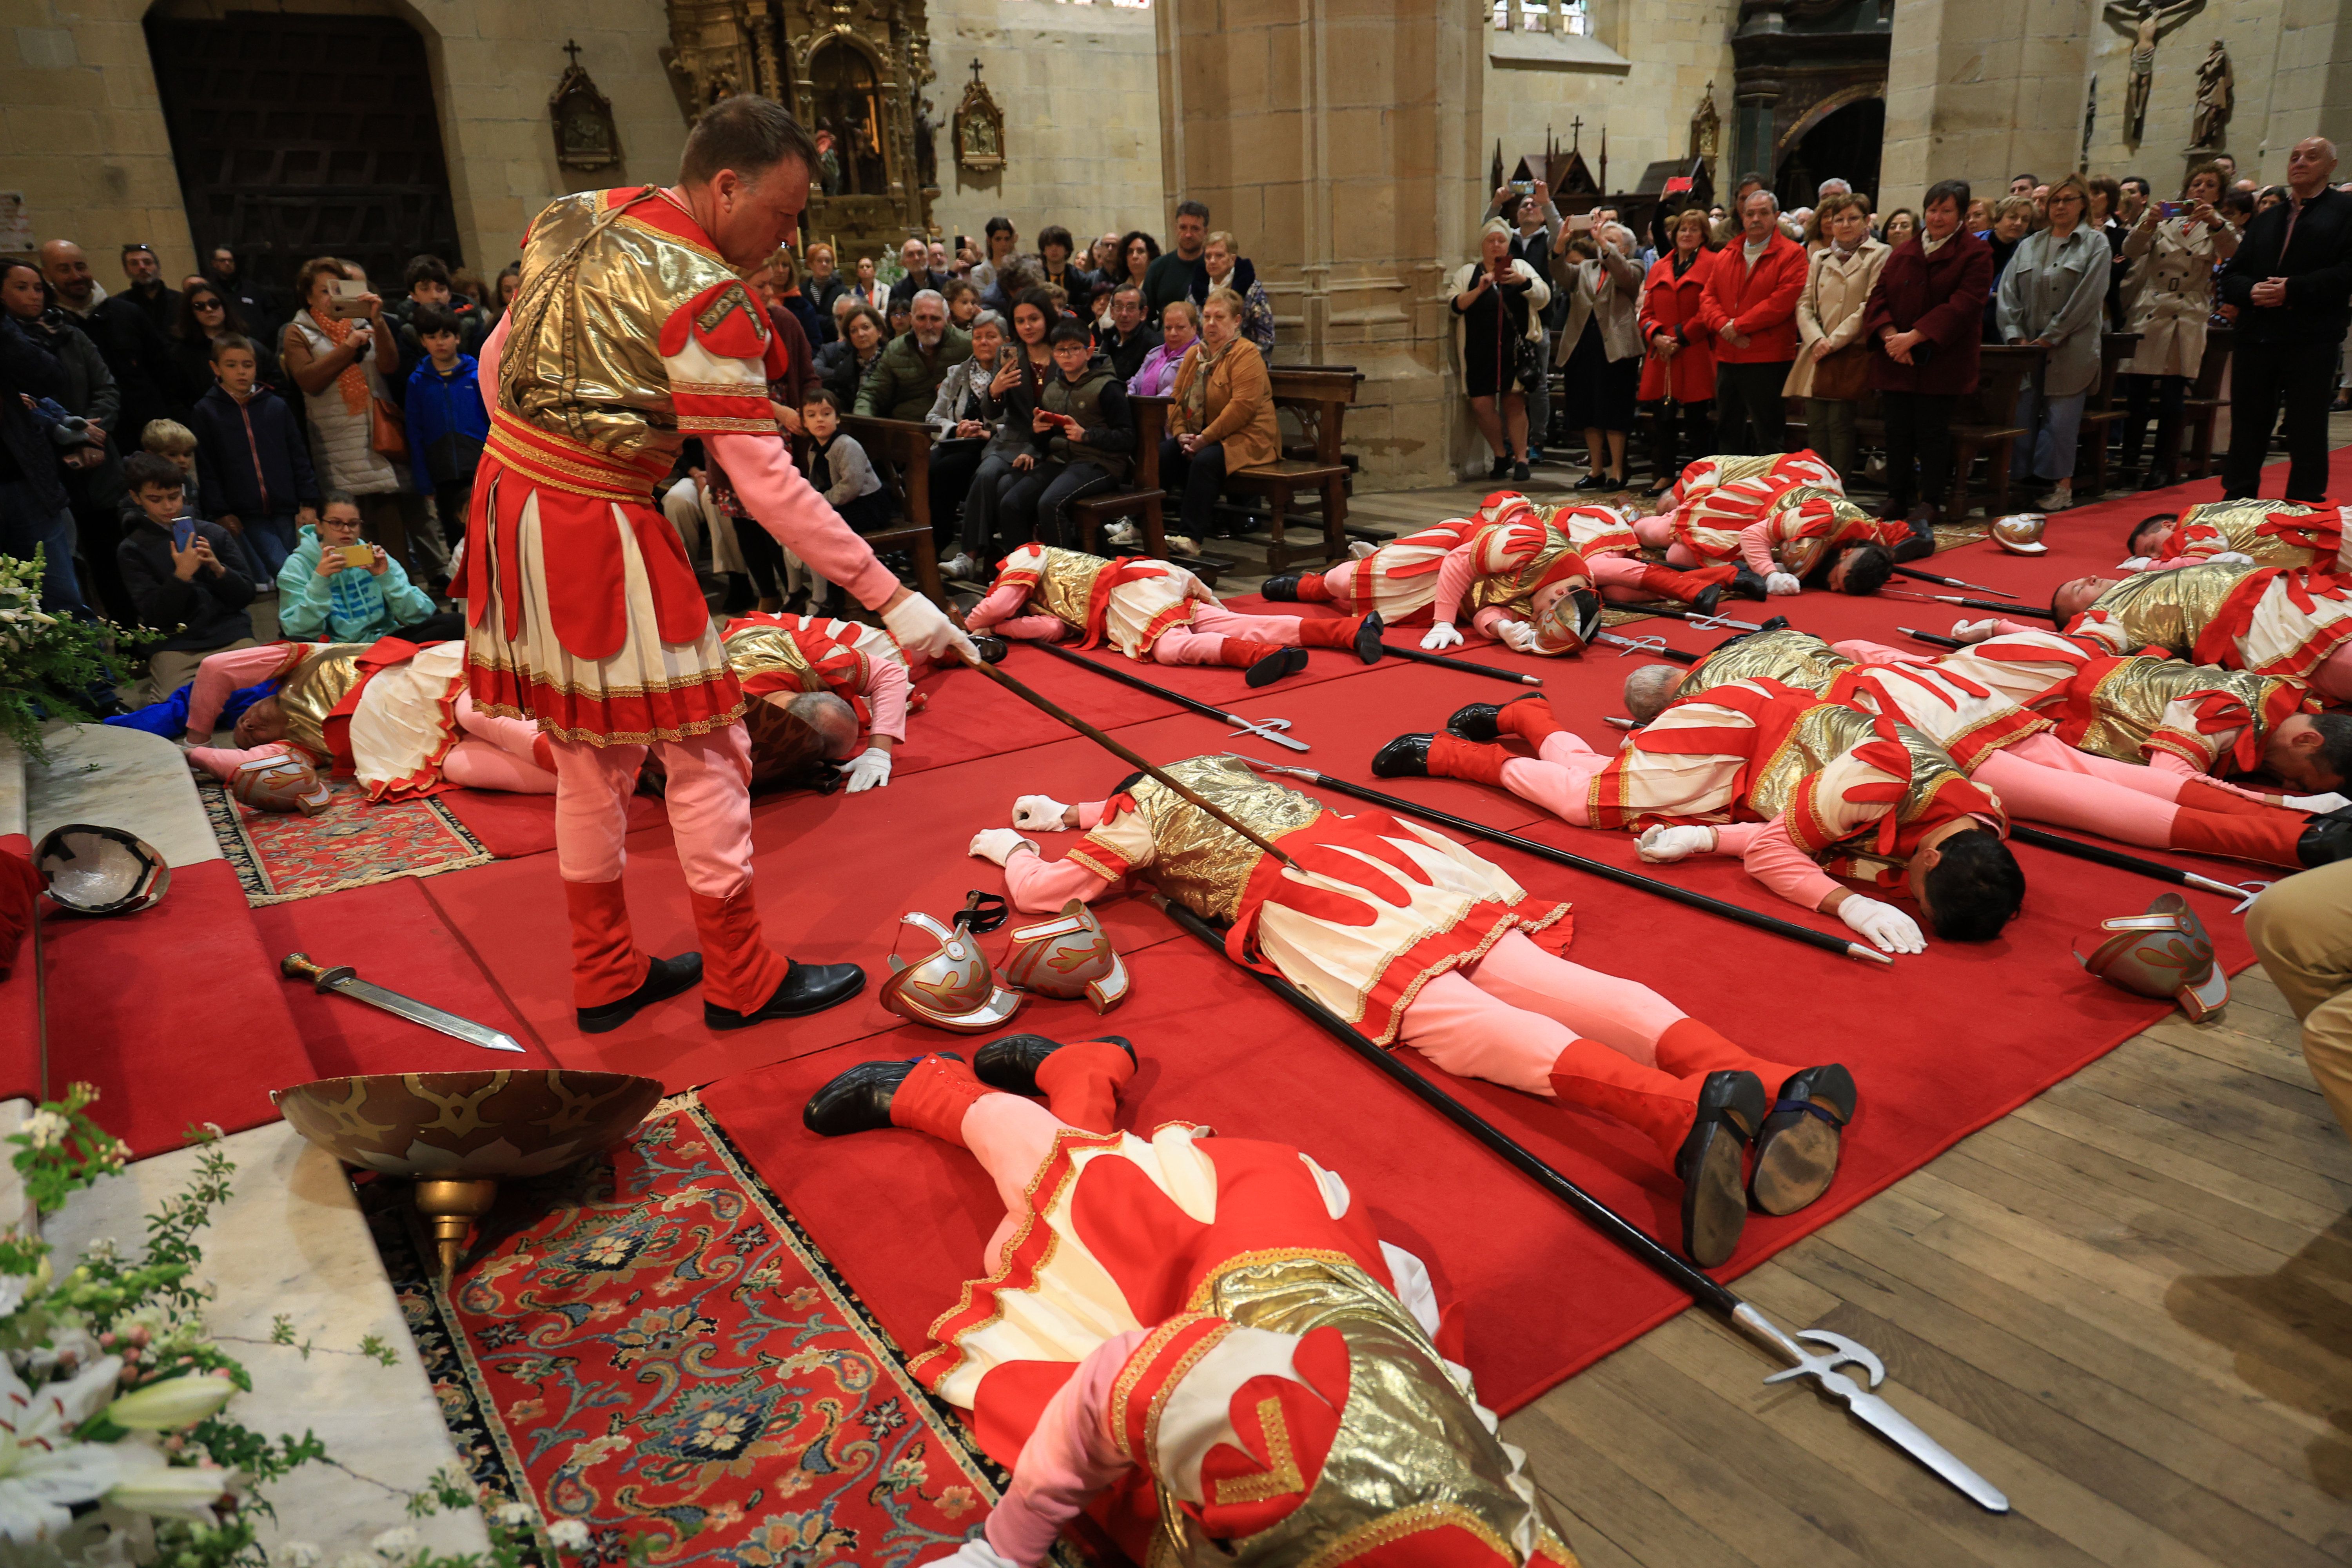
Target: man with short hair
138,352
632,333
147,288
2229,169
1750,303
1833,186
2134,202
255,304
905,380
2023,184
1127,337
915,255
1171,275
2291,282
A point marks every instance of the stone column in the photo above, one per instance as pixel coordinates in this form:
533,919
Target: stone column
1338,140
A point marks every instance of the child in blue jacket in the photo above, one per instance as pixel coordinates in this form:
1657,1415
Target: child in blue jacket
446,422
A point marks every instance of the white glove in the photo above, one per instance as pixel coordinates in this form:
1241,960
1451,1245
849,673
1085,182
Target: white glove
870,769
1783,584
973,1554
1360,549
998,844
1661,846
1039,813
1519,637
1441,635
2234,557
2317,803
1884,926
2136,564
922,626
1974,631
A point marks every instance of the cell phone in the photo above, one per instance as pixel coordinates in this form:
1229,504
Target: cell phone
1525,187
1582,223
359,555
343,296
183,532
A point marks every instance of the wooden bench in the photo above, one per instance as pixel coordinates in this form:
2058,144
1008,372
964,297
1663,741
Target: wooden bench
900,451
2203,404
1317,396
1142,501
1986,425
2091,448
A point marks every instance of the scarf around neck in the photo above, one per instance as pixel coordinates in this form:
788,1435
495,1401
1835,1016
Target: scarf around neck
352,383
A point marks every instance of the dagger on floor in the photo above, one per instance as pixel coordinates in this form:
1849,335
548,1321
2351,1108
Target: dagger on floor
344,981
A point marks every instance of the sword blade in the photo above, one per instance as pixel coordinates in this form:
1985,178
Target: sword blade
424,1012
1899,1430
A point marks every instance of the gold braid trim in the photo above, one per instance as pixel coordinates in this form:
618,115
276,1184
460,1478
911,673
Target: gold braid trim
1139,1362
1413,1520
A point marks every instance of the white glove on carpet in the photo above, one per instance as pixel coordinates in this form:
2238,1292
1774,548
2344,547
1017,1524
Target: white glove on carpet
1884,926
973,1554
1519,637
2136,564
1781,584
998,844
922,626
2316,802
1441,635
870,769
2234,557
1039,813
1662,845
1974,631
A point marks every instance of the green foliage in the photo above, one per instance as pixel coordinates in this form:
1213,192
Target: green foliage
47,660
62,1149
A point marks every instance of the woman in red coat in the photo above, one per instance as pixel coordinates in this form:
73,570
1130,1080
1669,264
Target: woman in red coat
1924,318
1679,375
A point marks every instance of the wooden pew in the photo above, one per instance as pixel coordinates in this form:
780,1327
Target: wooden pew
1141,499
1984,425
2203,404
1317,396
2091,452
900,451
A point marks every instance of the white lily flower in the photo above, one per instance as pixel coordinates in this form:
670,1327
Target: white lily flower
153,1484
399,1540
43,1472
569,1535
175,1403
298,1554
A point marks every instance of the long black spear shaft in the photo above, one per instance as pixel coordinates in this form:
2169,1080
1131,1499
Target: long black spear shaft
2102,855
1137,681
1745,916
1936,639
1422,657
2026,610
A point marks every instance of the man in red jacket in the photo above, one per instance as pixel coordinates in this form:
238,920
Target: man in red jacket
1751,305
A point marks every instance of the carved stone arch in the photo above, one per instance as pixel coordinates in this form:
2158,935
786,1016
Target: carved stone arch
1823,110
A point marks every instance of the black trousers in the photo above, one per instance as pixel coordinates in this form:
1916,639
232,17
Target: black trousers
1697,421
2169,393
1197,477
1034,504
1918,435
2301,374
954,461
979,537
1750,418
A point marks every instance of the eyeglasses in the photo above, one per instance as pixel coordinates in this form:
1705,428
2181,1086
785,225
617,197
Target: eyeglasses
209,305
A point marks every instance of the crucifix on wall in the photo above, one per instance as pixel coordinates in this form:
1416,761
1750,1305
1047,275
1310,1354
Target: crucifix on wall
2146,21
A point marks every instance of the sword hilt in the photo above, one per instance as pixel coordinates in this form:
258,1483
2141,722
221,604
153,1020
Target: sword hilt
300,966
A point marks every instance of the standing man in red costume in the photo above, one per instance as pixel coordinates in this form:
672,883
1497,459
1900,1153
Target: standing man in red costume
633,331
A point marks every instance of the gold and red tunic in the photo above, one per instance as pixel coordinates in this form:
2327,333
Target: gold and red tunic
2298,535
382,711
1381,907
1594,530
1284,1407
1399,581
1702,474
1857,791
629,334
1512,559
1129,602
2263,619
1803,522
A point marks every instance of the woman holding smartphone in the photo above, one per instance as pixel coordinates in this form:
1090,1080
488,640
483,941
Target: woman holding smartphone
2172,252
332,350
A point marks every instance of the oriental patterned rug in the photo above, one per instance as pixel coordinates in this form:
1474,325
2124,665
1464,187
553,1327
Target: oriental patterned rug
650,1345
284,855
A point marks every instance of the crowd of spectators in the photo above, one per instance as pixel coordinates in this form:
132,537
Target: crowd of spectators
1731,315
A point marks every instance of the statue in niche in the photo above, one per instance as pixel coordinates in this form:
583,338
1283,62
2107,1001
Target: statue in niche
849,104
978,127
2148,21
2216,93
927,152
1707,128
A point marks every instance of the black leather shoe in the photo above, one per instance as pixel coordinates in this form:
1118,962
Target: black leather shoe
666,978
858,1100
993,649
1282,589
1274,666
1501,470
1708,598
2326,839
1797,1149
807,988
1367,638
2157,479
1749,585
1775,624
1012,1063
1596,480
1476,721
1731,1108
1406,757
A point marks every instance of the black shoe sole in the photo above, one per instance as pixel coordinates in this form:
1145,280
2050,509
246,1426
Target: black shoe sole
1275,667
1714,1200
613,1015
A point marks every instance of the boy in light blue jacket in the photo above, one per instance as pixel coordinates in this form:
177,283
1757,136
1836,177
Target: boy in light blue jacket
324,594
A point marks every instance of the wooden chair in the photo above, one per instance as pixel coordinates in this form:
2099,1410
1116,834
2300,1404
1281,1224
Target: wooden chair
2091,451
1988,428
900,451
1317,396
2203,404
1142,499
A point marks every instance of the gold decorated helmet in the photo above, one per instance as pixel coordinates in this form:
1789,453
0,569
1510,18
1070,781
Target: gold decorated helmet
2164,953
281,781
953,987
1067,957
2021,533
1566,625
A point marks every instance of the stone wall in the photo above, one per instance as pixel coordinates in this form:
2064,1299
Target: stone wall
1079,87
83,129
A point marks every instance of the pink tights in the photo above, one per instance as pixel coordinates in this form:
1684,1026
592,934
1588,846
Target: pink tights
497,753
1010,1137
1204,641
709,820
1507,1018
2332,678
1559,778
2080,799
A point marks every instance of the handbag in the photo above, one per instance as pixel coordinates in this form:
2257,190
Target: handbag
1841,377
388,430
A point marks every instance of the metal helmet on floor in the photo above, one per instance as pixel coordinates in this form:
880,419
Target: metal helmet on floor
281,783
1067,957
94,870
2021,533
953,985
2164,953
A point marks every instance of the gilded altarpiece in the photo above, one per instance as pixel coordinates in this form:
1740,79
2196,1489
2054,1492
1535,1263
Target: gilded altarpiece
853,71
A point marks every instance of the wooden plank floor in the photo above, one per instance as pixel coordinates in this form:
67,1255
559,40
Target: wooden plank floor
2129,1304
